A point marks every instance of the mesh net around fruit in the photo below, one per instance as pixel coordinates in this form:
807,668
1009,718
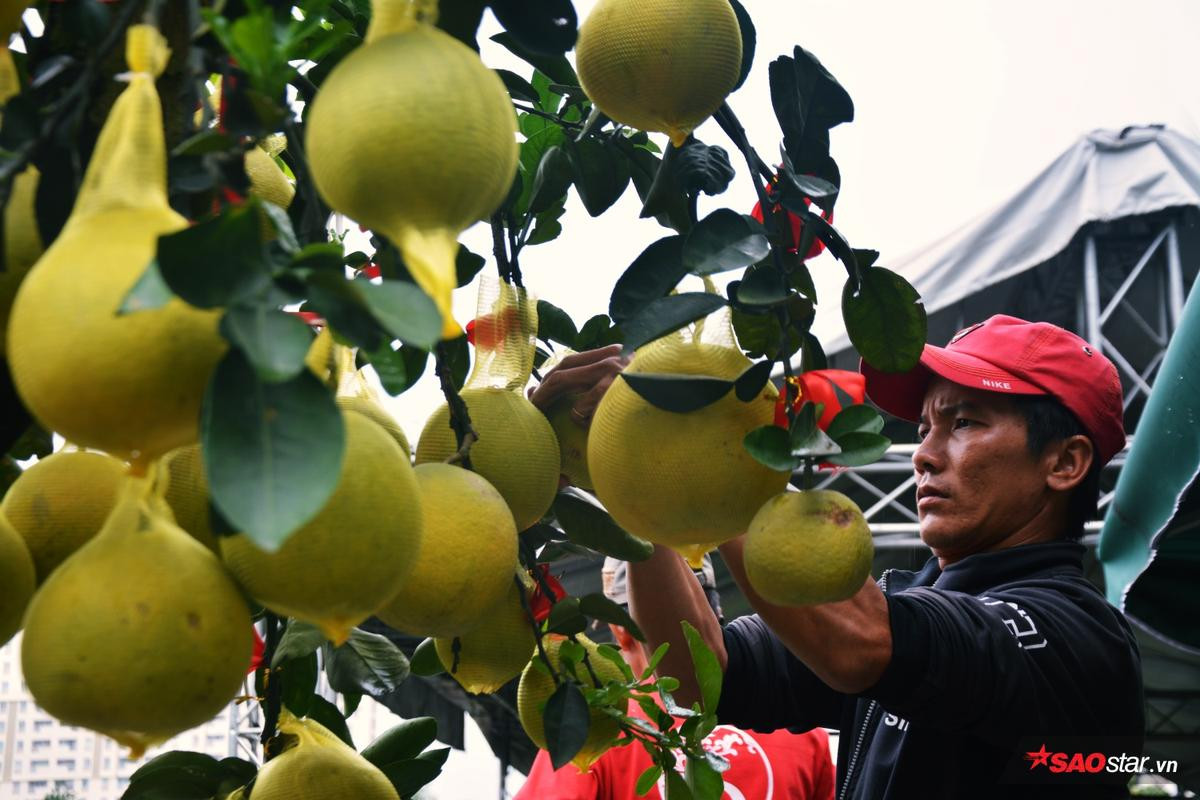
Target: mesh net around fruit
504,333
397,16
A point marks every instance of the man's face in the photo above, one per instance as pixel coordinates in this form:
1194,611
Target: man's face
978,487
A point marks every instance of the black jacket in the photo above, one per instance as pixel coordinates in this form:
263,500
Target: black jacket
989,655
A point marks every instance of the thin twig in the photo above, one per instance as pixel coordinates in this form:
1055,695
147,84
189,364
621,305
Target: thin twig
499,247
272,686
555,118
460,418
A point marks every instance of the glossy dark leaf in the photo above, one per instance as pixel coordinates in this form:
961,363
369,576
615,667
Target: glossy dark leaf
273,451
274,341
345,308
813,356
808,440
749,41
653,274
328,715
391,368
859,448
409,775
677,788
600,172
599,607
566,721
679,393
589,525
709,674
402,741
552,180
326,256
466,266
660,195
404,311
885,320
724,240
367,663
556,66
565,617
217,261
425,660
837,245
857,418
459,18
699,167
866,258
760,335
518,87
648,779
598,331
150,292
548,27
770,446
706,783
555,325
298,640
458,357
667,315
762,286
299,683
753,380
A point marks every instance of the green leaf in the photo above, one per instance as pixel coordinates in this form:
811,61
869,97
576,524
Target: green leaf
546,225
586,524
753,380
391,368
518,87
299,682
771,446
425,660
654,660
410,774
570,654
565,617
699,167
556,550
403,741
597,606
199,766
319,255
217,261
855,419
653,274
548,27
866,258
838,246
204,142
272,451
708,670
566,720
327,714
885,320
367,663
552,180
598,331
762,286
298,640
679,393
557,67
274,341
648,779
610,653
677,788
344,307
555,325
667,315
813,356
722,241
540,135
150,292
661,197
749,38
809,441
706,783
761,335
350,703
404,311
859,448
600,171
466,266
458,358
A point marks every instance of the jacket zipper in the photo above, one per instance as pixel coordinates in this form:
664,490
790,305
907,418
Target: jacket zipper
862,734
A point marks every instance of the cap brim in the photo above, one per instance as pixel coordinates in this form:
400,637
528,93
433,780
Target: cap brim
902,394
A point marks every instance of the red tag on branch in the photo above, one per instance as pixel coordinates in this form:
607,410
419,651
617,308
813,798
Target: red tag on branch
816,386
539,603
797,227
257,657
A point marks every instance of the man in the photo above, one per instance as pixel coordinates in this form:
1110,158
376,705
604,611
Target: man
762,766
941,680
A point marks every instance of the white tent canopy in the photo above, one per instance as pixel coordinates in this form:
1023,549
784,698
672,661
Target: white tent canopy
1105,176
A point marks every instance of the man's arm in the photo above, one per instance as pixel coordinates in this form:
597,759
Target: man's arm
847,644
662,593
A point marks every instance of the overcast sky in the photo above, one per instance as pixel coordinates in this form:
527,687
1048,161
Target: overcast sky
957,105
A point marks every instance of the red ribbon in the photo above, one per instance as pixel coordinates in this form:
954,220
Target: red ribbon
816,386
539,603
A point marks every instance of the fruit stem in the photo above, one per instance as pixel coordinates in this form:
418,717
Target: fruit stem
460,419
273,689
808,474
537,628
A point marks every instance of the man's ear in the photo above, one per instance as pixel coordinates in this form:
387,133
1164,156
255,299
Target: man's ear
1069,462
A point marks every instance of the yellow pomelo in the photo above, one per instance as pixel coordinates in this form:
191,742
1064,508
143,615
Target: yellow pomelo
187,493
412,136
495,651
141,634
572,442
681,479
131,384
17,580
347,562
320,358
808,547
537,686
516,452
61,502
317,765
267,180
22,241
374,411
467,558
659,65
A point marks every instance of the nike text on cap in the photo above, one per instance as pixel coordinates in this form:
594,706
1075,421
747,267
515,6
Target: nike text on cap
1013,356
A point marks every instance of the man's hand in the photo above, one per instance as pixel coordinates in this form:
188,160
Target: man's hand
586,376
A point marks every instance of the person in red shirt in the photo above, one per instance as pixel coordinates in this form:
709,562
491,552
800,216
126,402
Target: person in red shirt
762,766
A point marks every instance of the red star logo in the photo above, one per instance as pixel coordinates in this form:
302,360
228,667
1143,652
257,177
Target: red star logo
1039,757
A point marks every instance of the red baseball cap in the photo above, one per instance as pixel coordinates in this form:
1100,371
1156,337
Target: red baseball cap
1013,356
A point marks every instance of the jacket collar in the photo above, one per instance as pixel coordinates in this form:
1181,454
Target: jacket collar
982,571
